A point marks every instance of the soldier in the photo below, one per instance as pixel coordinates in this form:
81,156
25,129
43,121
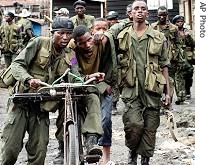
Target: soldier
175,53
112,18
81,18
114,30
93,57
188,45
10,44
26,27
143,77
44,59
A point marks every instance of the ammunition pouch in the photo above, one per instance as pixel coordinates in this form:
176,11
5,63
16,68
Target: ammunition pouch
6,78
126,71
154,81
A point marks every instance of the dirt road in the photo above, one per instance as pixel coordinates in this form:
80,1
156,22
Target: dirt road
168,152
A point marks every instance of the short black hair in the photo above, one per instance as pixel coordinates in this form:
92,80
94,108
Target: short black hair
140,1
162,8
10,14
129,8
79,31
79,2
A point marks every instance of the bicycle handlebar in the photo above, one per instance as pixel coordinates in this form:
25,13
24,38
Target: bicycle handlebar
50,95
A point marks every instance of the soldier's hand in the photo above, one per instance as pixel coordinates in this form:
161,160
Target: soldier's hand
167,101
34,83
98,75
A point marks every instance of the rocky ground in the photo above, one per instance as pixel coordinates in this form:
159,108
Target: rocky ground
167,152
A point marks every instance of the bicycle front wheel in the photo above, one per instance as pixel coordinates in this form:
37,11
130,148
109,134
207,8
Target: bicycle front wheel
73,145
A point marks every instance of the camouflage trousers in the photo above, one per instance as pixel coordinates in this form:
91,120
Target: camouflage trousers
177,74
92,123
22,119
140,126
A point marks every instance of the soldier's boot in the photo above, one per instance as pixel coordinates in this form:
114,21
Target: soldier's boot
92,146
132,157
144,160
59,159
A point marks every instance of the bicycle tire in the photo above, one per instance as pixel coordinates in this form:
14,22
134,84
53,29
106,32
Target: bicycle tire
80,120
73,145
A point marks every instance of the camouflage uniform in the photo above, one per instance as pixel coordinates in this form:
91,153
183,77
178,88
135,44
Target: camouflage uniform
38,60
176,57
142,82
25,25
188,45
87,21
10,43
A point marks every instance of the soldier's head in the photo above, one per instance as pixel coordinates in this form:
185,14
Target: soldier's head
100,25
62,28
62,12
162,14
139,11
128,11
80,8
9,16
112,18
178,20
83,40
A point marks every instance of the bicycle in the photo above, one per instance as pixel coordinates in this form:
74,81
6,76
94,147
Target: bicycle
74,148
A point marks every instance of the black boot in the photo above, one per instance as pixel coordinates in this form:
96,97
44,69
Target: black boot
144,160
92,146
132,157
59,159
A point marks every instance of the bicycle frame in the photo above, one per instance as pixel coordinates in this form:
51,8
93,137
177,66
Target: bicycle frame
72,134
68,92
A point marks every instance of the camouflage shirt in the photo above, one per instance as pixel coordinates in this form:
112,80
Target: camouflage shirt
9,38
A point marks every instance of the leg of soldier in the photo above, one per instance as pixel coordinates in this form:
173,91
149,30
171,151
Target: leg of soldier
133,127
106,139
92,123
146,146
38,130
179,86
13,133
188,80
133,123
59,136
116,95
7,60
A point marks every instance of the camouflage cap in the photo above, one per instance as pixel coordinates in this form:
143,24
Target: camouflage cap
79,2
63,11
176,18
112,15
62,23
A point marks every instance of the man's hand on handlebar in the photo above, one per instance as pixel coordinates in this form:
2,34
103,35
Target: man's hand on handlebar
98,75
34,83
